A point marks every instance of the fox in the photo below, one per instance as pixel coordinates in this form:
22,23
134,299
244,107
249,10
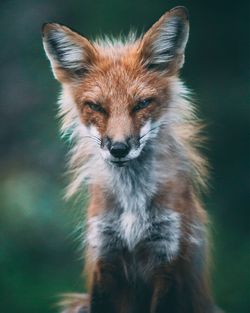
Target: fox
135,140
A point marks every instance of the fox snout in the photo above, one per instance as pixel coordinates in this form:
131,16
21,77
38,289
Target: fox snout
127,148
119,151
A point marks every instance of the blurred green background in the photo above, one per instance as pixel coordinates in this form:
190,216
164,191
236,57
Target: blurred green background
39,255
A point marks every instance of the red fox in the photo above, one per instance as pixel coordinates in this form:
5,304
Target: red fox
134,135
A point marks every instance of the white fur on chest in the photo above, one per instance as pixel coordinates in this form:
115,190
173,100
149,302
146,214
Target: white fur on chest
109,229
111,232
133,228
134,222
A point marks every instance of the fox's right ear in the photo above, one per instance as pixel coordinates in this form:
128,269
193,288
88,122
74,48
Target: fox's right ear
70,54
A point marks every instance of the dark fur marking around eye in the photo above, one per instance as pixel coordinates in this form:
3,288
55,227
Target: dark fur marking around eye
95,107
141,104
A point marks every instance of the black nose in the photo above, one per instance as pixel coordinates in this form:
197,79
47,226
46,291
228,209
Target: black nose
119,149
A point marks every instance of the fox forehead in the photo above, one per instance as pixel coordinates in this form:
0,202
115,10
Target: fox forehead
118,78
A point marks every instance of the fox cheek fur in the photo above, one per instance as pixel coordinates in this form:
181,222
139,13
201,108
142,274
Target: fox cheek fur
134,135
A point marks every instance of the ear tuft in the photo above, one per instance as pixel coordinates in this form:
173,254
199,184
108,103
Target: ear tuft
180,11
163,46
69,53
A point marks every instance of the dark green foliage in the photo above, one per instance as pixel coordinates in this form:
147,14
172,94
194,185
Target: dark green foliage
39,257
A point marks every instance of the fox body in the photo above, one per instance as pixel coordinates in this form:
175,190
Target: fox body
134,134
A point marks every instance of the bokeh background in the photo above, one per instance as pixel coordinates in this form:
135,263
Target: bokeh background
39,255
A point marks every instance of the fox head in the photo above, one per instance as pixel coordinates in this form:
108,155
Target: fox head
118,93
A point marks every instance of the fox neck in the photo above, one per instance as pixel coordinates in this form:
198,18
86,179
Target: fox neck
134,186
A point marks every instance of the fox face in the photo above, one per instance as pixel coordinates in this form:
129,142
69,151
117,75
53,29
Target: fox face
121,92
120,108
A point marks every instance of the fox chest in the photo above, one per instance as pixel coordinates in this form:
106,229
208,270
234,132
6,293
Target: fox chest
157,234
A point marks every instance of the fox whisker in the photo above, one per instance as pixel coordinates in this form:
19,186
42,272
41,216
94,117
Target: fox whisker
152,129
94,138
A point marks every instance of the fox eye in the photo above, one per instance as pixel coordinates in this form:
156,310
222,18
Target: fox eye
142,104
96,107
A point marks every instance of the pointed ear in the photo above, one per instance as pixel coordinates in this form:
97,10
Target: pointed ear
70,54
164,43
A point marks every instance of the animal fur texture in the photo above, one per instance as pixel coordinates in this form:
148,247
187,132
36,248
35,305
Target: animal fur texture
134,138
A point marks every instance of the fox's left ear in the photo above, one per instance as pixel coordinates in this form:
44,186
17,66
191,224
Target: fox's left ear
163,45
71,55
